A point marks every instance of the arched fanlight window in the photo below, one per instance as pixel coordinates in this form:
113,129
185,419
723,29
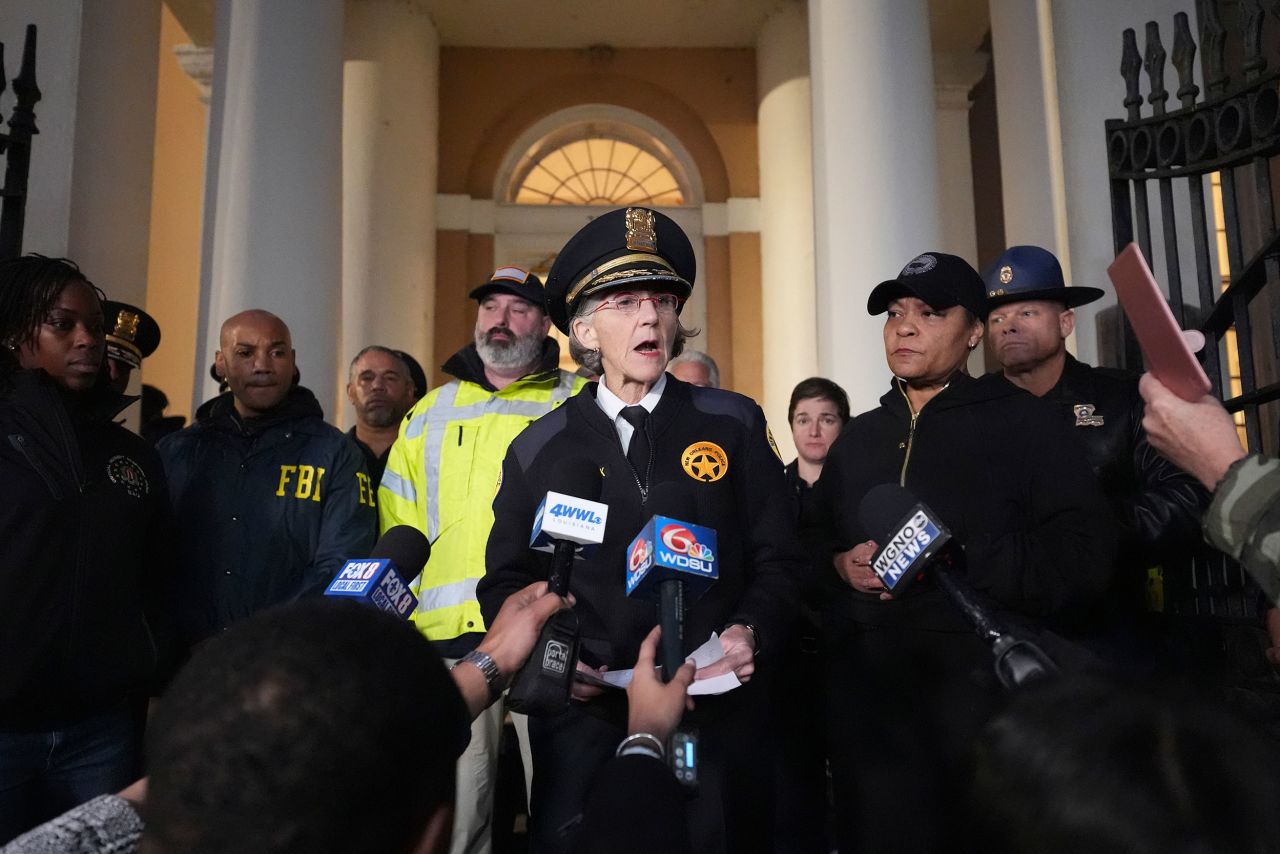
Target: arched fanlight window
598,163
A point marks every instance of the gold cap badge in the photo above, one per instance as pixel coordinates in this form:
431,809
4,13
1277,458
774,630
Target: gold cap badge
126,325
641,236
1006,275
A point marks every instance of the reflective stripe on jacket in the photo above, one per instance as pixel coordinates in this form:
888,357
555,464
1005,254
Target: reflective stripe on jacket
441,478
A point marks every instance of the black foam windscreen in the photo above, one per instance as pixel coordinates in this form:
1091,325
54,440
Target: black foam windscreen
406,547
577,476
883,507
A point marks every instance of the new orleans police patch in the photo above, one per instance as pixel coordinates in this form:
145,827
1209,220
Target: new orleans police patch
127,473
772,444
705,461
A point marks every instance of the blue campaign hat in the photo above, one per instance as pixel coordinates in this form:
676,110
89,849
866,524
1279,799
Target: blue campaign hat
1031,273
628,247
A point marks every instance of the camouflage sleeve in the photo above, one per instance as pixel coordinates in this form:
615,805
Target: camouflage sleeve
1244,519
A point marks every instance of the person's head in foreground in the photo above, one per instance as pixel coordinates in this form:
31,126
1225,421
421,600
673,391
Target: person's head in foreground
320,726
1079,765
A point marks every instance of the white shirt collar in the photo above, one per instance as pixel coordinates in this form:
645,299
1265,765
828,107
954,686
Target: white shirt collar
612,405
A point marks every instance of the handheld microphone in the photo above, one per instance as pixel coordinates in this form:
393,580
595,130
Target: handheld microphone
568,520
918,540
380,579
674,562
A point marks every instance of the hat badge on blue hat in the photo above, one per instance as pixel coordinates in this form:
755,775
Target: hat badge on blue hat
1028,273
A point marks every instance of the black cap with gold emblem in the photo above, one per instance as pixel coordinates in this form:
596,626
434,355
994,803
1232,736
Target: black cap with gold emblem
1032,273
132,334
629,247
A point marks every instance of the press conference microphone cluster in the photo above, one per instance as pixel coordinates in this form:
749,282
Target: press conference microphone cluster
673,562
382,579
569,522
917,540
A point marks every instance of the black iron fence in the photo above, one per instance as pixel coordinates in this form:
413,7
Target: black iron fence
15,146
1233,132
1222,143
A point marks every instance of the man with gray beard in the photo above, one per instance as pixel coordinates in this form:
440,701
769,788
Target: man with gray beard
381,388
441,477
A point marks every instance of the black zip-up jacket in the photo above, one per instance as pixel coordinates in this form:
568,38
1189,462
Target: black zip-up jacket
1156,505
82,538
747,505
1006,476
267,509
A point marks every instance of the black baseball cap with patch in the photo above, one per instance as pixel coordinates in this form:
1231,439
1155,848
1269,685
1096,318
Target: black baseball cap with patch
629,247
513,280
941,280
132,334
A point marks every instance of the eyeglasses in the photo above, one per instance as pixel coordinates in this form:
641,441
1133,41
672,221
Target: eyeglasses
630,303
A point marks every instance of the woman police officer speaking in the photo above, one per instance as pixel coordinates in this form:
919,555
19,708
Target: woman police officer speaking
617,289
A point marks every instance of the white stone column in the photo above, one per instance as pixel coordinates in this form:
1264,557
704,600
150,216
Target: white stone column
390,128
1031,171
114,143
875,170
789,298
955,78
273,217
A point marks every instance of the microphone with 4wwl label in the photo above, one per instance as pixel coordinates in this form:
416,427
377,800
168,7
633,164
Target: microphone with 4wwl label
383,578
917,540
569,523
673,562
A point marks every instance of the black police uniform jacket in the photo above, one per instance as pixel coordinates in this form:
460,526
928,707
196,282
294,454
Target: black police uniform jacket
82,529
267,508
910,684
1156,505
1004,474
747,505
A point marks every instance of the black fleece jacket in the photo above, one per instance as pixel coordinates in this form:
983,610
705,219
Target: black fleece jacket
1007,477
83,529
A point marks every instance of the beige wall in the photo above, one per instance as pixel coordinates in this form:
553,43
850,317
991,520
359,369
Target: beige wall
706,97
173,264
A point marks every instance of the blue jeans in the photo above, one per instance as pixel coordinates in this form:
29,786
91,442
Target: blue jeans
45,773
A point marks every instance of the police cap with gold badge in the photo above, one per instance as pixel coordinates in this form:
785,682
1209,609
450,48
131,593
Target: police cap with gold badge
627,248
132,334
1031,273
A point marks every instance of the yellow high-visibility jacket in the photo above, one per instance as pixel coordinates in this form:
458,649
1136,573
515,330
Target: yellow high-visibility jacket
442,474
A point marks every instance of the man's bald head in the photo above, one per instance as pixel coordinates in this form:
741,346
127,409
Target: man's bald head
257,359
256,319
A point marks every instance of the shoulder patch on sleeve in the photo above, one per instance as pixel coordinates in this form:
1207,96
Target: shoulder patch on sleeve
768,431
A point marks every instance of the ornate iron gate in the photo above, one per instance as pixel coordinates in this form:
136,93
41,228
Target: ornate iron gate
16,146
1233,132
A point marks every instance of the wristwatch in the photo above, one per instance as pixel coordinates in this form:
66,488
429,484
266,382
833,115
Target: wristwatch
485,664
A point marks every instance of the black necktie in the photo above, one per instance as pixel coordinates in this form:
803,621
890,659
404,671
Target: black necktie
638,450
